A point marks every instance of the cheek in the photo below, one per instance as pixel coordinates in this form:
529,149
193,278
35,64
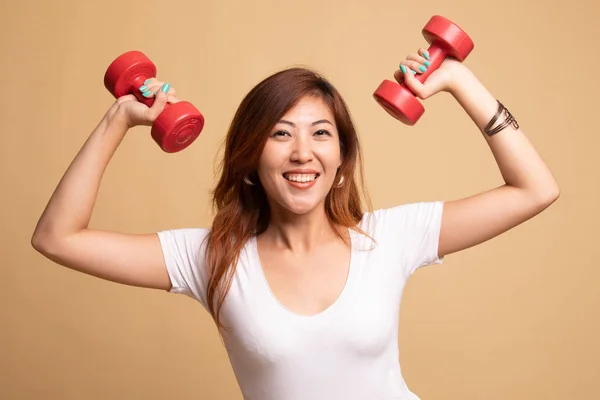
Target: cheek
269,164
331,158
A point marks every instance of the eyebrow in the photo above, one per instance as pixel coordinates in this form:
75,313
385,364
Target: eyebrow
321,121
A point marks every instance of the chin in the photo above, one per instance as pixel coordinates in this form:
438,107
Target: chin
300,207
294,201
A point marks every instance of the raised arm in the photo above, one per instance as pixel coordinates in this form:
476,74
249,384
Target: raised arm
62,234
529,186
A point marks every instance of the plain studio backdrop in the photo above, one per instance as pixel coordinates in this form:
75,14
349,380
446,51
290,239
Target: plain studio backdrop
514,318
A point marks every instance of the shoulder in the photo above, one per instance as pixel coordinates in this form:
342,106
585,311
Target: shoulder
187,234
403,217
408,232
189,243
191,237
184,252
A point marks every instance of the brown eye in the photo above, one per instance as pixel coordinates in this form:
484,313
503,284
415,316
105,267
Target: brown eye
322,132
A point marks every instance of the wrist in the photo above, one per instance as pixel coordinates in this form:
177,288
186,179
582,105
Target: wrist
116,119
112,127
462,81
475,98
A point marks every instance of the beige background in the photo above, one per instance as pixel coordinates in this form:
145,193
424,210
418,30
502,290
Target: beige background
515,318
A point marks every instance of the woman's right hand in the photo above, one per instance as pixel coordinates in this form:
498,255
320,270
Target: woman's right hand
134,113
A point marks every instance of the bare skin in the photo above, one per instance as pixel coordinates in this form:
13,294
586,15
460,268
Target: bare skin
305,262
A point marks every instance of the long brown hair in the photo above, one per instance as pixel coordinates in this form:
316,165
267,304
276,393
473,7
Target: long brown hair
242,210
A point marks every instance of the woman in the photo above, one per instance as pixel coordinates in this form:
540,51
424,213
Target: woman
304,285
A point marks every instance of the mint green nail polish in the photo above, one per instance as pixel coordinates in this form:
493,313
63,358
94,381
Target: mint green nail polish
427,63
143,88
147,93
414,72
403,68
426,54
165,88
422,68
147,80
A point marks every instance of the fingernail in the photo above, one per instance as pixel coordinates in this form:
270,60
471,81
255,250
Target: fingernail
422,68
143,88
147,80
427,63
426,54
147,93
414,72
403,68
165,88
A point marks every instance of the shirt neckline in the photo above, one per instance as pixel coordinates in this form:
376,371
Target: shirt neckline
322,315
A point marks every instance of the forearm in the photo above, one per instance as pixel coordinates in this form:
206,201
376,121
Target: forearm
70,207
519,163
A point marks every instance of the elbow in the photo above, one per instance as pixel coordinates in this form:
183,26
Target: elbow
552,193
44,244
48,246
547,195
39,242
52,245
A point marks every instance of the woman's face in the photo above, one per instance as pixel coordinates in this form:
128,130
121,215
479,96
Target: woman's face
299,162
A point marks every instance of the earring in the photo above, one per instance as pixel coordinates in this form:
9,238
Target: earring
247,181
340,182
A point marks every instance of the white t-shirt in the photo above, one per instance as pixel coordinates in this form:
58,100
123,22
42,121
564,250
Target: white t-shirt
347,352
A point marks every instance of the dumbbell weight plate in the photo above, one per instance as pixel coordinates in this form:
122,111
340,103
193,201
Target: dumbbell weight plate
450,37
177,126
127,70
399,102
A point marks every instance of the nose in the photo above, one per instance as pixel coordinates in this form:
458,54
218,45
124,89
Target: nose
301,150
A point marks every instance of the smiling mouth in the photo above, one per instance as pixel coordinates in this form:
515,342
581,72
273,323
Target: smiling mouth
301,178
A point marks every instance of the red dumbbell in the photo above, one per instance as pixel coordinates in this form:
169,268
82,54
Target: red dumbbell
447,40
178,125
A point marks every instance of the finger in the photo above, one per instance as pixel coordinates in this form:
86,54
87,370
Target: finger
401,71
155,86
418,88
418,59
149,89
172,99
399,74
424,53
160,101
415,66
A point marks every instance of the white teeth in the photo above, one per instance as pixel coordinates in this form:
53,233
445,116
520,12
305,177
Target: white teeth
300,177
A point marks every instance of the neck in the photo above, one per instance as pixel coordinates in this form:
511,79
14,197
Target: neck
300,233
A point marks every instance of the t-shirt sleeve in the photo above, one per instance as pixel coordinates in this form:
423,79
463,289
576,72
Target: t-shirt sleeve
412,231
184,251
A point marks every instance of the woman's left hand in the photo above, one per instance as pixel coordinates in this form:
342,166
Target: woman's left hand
442,79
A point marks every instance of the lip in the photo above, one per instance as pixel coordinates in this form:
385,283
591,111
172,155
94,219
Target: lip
302,171
302,185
